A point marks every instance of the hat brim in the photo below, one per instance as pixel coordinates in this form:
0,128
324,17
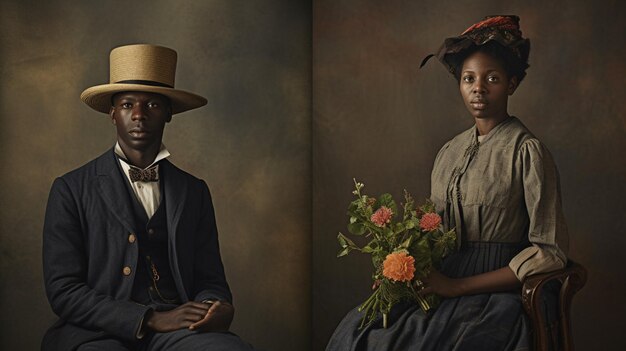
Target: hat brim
99,96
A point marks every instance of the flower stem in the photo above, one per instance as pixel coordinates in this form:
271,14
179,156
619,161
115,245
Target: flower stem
420,299
423,303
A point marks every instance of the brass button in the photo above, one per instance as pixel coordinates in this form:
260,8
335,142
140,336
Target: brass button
126,271
150,231
132,238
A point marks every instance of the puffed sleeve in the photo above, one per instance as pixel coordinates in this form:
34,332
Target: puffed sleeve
547,229
439,178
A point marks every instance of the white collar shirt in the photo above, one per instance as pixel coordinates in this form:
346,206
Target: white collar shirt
147,193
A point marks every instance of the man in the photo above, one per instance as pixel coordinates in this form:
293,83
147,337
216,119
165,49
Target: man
130,248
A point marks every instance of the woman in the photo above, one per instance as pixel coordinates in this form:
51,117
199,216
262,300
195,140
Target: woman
498,186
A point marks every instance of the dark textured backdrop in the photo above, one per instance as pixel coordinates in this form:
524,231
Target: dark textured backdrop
251,143
380,119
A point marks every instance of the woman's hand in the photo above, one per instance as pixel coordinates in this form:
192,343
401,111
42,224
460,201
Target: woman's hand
502,279
439,284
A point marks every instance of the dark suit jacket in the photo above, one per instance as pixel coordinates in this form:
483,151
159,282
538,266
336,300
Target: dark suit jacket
85,248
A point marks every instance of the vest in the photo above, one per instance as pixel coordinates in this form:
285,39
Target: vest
154,283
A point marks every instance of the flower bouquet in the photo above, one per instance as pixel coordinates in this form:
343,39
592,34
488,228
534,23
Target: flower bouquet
403,250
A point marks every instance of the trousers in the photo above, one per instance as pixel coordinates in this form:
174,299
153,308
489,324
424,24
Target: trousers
180,340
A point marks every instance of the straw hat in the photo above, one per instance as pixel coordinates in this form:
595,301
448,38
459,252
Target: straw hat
145,68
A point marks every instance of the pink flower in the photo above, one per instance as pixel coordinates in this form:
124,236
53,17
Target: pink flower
382,216
399,266
430,221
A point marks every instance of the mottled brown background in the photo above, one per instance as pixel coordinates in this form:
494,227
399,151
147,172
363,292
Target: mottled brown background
379,118
251,143
375,116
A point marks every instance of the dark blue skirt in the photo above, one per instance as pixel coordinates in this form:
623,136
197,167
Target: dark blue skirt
484,322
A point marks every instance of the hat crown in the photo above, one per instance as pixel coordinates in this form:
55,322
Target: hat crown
145,68
143,63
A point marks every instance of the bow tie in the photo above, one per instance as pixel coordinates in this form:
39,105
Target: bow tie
143,175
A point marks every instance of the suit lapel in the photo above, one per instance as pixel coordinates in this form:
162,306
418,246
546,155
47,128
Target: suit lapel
175,187
113,189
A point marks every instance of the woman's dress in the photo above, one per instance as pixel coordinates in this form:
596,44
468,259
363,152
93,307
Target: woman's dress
502,195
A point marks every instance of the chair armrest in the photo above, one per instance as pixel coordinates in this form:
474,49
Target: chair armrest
573,277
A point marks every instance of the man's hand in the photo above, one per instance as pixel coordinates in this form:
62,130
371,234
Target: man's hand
181,317
218,318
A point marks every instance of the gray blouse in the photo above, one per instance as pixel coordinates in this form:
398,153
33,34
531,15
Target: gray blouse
503,189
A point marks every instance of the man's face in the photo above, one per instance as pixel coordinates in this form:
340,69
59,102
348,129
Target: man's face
140,119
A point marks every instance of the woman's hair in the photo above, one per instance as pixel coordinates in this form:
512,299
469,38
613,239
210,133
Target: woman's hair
511,63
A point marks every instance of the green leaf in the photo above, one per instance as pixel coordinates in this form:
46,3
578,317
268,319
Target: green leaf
437,254
422,254
371,247
377,260
450,236
354,205
405,244
356,228
342,240
356,215
343,252
398,228
388,232
435,234
353,219
387,201
367,249
408,206
367,213
428,207
346,242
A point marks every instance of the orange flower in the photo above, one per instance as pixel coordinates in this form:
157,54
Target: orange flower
382,216
399,266
430,221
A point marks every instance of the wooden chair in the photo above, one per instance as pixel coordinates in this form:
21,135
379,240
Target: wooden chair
572,278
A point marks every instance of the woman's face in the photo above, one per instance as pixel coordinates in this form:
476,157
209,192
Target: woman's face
485,86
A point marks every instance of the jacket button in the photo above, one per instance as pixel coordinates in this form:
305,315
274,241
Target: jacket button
150,231
132,238
126,271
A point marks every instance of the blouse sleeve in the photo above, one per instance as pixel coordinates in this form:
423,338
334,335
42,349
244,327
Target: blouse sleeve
547,229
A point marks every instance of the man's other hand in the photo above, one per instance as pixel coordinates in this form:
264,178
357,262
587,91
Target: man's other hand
181,317
218,318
